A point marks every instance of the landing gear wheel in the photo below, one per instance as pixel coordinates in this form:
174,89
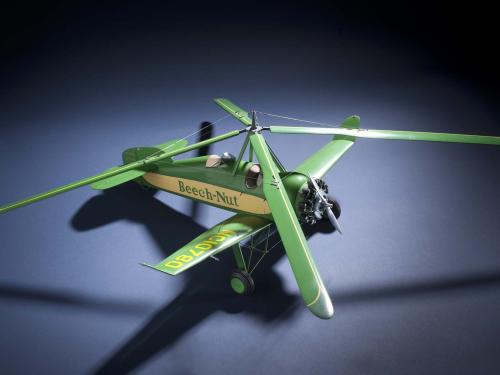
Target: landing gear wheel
335,207
242,283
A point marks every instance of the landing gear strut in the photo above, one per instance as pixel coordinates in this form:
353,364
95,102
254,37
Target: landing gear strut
257,246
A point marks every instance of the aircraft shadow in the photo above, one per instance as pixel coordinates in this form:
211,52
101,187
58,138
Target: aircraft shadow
206,290
206,287
415,289
72,300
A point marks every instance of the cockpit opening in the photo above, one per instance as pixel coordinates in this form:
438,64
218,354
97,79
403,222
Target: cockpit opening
253,177
214,161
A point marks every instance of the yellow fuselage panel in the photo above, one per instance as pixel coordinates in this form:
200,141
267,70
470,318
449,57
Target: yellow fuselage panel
212,194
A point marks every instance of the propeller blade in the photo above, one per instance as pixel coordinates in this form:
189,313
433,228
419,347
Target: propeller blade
308,279
329,211
139,165
333,219
390,134
318,190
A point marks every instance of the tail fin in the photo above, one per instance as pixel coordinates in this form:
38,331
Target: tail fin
319,163
138,153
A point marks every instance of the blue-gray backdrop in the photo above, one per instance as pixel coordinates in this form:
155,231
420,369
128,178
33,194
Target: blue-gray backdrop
415,278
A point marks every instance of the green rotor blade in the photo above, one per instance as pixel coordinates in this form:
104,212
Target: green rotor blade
138,165
308,279
391,134
240,114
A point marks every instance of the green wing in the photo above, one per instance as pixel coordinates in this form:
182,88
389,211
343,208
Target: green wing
319,163
310,284
218,238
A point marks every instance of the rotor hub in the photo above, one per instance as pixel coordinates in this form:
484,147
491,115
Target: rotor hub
313,207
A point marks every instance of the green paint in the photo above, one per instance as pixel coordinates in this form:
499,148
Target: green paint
240,156
118,179
391,134
295,244
220,237
240,114
318,164
237,285
239,260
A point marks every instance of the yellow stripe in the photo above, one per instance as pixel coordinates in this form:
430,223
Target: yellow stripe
297,231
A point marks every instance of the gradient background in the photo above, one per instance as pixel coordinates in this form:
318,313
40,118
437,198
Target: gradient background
416,277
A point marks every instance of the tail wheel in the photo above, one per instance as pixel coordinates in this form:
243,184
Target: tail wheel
242,283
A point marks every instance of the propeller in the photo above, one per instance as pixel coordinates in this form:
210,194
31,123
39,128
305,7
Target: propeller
328,206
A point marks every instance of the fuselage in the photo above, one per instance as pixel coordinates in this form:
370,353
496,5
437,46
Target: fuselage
221,185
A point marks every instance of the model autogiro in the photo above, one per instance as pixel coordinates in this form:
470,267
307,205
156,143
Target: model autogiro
263,196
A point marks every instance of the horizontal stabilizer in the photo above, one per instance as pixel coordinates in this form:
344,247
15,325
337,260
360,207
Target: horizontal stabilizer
138,153
117,179
218,238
